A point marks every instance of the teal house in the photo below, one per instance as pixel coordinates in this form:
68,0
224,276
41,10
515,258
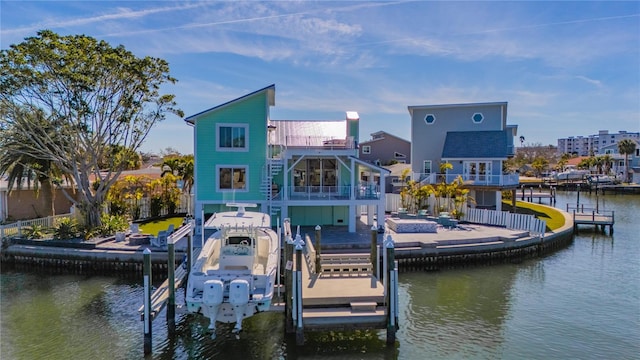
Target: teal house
304,170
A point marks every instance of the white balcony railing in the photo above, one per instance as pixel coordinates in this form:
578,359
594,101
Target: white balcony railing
319,142
359,192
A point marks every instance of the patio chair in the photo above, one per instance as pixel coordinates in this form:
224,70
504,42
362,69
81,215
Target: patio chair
160,240
134,228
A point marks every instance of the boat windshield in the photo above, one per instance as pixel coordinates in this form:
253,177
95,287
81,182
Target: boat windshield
238,240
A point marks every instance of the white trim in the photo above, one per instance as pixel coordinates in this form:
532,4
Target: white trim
366,149
474,120
233,149
230,166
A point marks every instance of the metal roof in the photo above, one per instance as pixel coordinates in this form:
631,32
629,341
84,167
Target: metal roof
288,131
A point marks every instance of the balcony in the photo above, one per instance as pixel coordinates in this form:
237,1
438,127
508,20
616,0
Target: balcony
471,180
323,142
360,192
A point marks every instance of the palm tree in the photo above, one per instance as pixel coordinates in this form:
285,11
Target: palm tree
182,167
598,161
21,167
607,161
626,147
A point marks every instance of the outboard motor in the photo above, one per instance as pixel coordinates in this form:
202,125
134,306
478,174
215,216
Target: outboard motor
212,296
239,298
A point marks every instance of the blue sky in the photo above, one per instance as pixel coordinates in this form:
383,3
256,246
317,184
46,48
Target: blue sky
565,68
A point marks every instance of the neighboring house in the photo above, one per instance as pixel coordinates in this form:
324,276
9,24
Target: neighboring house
395,183
307,171
474,138
385,149
619,166
26,203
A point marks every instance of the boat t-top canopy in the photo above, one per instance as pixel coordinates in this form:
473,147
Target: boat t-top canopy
239,218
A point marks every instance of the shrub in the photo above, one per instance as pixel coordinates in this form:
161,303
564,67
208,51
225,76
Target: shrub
112,224
66,228
34,232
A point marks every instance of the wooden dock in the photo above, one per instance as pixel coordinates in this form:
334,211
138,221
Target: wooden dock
530,195
589,216
339,291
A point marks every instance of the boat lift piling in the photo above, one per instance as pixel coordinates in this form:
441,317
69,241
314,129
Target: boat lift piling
147,301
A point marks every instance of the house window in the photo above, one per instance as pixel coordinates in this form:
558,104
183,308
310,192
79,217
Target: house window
430,119
232,137
477,118
426,167
398,155
231,178
366,149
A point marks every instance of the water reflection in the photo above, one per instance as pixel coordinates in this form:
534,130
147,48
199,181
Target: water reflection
462,309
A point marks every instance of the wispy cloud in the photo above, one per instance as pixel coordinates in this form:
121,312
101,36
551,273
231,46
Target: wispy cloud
121,13
597,83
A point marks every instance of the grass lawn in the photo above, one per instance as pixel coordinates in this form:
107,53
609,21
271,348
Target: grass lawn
153,227
553,217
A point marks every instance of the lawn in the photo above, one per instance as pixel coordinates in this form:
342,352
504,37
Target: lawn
553,217
153,227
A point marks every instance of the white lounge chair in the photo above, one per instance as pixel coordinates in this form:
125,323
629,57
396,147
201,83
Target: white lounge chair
161,240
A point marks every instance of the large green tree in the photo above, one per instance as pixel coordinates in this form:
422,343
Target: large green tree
94,95
626,147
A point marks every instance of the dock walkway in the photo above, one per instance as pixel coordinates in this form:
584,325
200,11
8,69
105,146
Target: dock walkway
589,216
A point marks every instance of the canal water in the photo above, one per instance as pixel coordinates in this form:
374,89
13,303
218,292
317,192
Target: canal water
581,302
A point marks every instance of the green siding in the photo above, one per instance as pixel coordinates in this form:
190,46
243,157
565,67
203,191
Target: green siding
252,111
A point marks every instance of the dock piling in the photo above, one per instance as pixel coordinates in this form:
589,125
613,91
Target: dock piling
390,290
298,293
171,302
374,250
318,251
147,300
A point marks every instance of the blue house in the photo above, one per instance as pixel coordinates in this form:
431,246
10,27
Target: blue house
474,138
308,171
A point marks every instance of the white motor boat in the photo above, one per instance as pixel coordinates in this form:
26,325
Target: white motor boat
234,275
571,174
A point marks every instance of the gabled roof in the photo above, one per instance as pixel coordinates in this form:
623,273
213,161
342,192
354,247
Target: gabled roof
379,139
475,144
371,166
271,95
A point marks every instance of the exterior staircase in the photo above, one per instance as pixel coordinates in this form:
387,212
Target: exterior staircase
273,167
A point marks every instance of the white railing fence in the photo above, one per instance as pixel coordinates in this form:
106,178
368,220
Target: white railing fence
482,216
185,205
509,220
15,229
